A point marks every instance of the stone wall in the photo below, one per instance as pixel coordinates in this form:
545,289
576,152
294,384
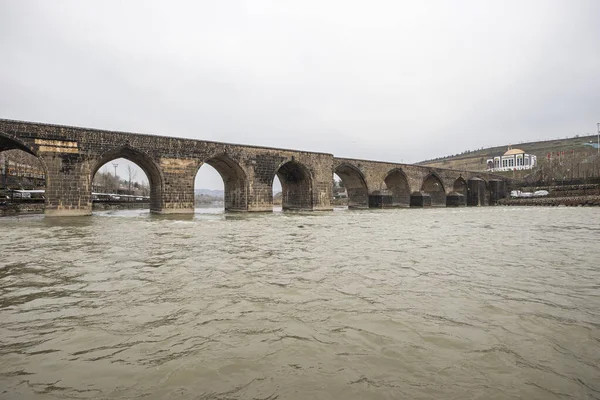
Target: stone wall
564,191
568,195
573,201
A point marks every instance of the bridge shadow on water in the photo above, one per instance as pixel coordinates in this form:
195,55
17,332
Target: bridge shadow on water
200,214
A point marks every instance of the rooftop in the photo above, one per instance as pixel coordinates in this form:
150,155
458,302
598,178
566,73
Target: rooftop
512,152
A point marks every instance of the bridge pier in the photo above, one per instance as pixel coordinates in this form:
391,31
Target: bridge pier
236,195
68,186
172,185
476,192
260,196
379,200
358,198
497,191
455,199
420,200
458,196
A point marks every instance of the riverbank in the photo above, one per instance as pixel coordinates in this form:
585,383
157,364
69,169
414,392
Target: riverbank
570,201
21,209
558,195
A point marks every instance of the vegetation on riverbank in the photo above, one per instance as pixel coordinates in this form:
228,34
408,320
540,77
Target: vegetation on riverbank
579,147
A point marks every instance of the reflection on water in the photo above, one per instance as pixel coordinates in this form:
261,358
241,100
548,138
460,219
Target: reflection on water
490,303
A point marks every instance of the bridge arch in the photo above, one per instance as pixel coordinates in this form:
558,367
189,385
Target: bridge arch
33,165
235,181
434,187
355,184
296,186
145,162
479,177
8,142
458,196
397,185
460,186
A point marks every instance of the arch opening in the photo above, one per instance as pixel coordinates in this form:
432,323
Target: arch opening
398,188
433,186
8,143
209,190
221,183
135,177
352,184
277,194
339,193
22,173
22,177
120,183
296,186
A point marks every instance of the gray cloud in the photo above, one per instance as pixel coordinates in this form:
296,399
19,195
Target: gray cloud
384,80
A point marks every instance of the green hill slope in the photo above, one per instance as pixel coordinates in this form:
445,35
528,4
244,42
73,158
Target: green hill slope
476,160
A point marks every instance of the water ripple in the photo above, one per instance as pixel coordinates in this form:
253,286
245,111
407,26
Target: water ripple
444,303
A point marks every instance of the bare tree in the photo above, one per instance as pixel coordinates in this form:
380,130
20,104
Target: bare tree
104,181
132,173
581,165
106,178
145,187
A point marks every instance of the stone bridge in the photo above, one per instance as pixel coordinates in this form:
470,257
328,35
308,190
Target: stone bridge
71,156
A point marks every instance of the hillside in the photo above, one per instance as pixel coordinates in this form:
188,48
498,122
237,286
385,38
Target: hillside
211,193
476,160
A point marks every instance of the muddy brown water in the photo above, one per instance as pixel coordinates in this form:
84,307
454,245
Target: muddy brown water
477,303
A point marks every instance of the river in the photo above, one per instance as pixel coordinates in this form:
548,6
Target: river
471,303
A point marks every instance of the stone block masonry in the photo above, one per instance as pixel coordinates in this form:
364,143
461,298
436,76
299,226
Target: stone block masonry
71,156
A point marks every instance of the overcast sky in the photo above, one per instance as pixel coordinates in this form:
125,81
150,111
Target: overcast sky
384,80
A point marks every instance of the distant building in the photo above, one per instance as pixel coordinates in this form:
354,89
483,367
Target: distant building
513,159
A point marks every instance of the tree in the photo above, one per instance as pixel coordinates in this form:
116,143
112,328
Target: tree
131,173
106,178
104,181
145,188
